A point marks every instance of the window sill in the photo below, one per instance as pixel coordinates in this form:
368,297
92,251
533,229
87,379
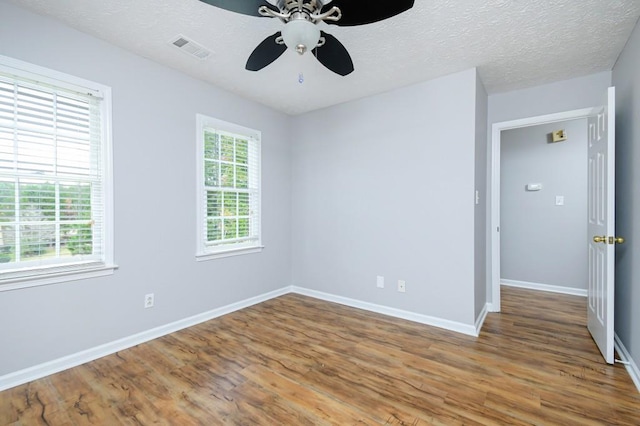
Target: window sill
201,257
43,277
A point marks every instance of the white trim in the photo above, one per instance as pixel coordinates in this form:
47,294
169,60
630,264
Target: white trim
50,77
203,250
393,312
494,214
227,127
33,277
494,217
201,257
107,181
632,367
51,367
481,318
78,273
546,287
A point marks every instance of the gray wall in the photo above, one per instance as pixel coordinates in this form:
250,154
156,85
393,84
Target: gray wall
626,78
541,242
154,111
480,213
384,186
567,95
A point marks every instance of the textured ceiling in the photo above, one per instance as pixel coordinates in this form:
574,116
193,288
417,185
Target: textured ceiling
514,44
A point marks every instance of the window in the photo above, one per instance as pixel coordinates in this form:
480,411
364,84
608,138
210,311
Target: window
228,189
55,187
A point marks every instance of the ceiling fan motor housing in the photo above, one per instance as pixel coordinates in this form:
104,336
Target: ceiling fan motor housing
308,10
308,6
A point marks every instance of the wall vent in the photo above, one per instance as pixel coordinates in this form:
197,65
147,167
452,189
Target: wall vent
190,47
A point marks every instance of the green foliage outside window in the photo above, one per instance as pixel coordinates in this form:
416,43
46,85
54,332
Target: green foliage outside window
226,177
39,229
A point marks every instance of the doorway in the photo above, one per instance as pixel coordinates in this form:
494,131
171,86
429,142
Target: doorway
601,214
497,129
543,207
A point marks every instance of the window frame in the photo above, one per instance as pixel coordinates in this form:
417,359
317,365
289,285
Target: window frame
203,252
69,271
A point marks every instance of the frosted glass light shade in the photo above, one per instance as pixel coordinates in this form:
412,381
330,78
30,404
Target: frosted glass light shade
301,35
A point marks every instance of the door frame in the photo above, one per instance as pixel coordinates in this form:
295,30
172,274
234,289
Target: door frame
494,205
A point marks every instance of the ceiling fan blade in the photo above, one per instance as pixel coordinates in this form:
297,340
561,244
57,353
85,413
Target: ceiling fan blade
266,52
246,7
360,12
333,55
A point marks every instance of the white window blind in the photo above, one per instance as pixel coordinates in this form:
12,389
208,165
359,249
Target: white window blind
52,203
229,187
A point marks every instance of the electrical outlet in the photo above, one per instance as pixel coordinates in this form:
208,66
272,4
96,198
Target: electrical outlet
148,300
402,286
380,281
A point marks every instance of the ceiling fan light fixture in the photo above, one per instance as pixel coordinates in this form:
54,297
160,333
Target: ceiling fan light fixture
301,35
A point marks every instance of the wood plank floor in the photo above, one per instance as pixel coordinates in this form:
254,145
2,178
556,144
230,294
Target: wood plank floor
300,361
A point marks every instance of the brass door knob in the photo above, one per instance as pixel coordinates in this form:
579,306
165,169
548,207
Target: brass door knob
617,240
600,240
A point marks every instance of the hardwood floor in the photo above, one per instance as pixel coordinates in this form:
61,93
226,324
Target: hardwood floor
300,361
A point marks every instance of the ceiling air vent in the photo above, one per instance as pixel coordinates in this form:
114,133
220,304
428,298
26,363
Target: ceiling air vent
190,47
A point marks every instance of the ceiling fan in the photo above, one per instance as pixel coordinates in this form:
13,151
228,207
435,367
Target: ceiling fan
301,32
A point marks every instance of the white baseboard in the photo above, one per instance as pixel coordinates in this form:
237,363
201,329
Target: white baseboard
545,287
632,367
481,318
393,312
51,367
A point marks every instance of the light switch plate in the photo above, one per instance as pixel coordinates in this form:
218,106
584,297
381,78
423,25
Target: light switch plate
534,186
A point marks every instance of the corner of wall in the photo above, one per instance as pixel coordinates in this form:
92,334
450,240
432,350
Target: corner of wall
481,199
626,78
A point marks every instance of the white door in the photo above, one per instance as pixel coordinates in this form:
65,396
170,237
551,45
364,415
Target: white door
601,227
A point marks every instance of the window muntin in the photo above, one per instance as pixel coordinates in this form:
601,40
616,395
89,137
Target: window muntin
229,194
53,186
